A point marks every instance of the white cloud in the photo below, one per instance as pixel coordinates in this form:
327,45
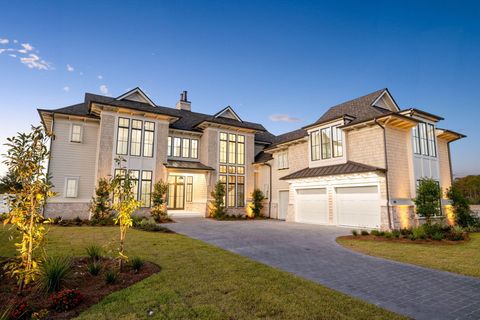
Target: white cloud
66,89
4,41
13,55
22,51
35,62
70,68
2,50
103,89
284,118
15,41
27,46
100,77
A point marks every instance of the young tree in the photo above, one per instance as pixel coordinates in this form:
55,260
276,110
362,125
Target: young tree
217,209
428,199
25,158
257,202
125,204
159,202
461,208
101,206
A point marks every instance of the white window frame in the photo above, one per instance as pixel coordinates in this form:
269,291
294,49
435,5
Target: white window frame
282,160
77,181
81,133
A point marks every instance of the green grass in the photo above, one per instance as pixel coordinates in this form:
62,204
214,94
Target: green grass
200,281
462,258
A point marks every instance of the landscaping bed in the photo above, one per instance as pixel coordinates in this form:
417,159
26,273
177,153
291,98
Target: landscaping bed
405,240
83,290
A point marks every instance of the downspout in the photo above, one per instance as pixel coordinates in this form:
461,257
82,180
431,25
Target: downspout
386,172
269,191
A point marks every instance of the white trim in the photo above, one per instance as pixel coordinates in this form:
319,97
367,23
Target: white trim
389,96
81,132
77,182
219,114
138,91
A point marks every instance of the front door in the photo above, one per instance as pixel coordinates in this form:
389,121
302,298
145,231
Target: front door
176,192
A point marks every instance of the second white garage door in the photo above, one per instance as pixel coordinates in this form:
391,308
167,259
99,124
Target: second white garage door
358,207
311,206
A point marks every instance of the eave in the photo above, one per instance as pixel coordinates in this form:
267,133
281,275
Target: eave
392,119
97,108
449,135
421,114
205,124
285,145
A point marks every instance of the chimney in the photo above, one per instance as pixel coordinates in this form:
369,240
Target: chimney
183,103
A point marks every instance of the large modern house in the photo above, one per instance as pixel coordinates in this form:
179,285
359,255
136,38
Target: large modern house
358,165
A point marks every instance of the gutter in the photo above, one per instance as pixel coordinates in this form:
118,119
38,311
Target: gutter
386,172
270,192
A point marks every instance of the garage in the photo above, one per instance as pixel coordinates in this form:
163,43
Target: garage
311,206
358,206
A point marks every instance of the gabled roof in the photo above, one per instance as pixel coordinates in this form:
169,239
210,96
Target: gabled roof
263,157
229,113
288,137
136,94
344,168
179,164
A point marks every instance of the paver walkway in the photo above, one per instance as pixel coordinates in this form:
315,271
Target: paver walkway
310,251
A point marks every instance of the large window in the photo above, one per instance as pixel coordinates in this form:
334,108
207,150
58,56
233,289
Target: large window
424,141
177,146
182,147
194,149
146,189
189,189
135,176
232,152
282,160
76,135
136,138
185,147
141,184
148,138
122,136
326,143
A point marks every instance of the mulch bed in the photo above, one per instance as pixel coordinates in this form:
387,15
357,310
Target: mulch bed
92,288
404,240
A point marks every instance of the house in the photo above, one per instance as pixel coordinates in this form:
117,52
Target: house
357,165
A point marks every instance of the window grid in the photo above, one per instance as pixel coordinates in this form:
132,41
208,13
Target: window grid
337,142
177,146
136,138
315,145
148,138
122,136
146,188
76,133
71,187
424,142
185,148
189,190
326,143
232,151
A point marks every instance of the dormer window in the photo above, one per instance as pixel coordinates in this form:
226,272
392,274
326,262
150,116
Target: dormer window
76,134
326,143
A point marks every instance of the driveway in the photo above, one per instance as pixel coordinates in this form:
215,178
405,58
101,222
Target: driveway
311,252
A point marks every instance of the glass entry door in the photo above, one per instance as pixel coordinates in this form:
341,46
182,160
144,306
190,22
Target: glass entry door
176,192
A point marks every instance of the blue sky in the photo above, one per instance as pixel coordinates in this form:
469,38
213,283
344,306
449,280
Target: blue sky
264,58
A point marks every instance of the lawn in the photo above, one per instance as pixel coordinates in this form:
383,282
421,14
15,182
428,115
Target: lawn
200,281
462,258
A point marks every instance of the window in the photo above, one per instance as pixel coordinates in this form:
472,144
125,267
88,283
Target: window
146,188
326,143
337,141
194,149
241,150
315,145
148,134
189,190
185,147
71,187
76,135
223,148
232,151
424,141
122,136
135,175
282,160
136,138
223,181
177,146
169,147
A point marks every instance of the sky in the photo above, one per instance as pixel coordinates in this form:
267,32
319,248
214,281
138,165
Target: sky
279,63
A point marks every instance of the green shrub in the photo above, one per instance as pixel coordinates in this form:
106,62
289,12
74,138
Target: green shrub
355,233
257,202
431,229
137,264
375,233
217,205
364,233
54,271
101,204
456,234
105,221
438,236
405,231
158,211
461,208
151,226
396,233
388,235
65,300
427,201
137,220
111,277
418,233
94,252
94,268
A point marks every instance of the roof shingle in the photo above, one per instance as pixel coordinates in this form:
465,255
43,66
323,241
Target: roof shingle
344,168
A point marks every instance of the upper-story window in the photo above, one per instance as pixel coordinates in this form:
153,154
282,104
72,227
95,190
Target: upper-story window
182,147
136,136
232,148
232,152
326,143
424,139
122,135
148,138
282,160
76,134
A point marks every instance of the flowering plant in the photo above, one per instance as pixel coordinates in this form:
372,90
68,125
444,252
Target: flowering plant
65,300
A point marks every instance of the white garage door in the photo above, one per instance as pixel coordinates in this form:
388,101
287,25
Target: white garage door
311,206
358,207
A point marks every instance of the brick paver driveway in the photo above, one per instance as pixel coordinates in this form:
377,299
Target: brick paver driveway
311,252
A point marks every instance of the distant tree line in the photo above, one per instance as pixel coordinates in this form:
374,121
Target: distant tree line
469,186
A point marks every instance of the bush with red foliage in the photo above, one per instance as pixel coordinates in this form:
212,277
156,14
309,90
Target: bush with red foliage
21,311
65,300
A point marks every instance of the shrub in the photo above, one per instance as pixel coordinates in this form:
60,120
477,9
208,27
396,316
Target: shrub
428,199
101,205
65,300
106,221
40,314
418,233
257,202
217,205
151,226
388,235
364,233
461,208
94,268
54,272
137,264
406,231
159,202
94,252
20,311
431,229
438,236
136,220
396,233
375,233
456,234
111,277
355,233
